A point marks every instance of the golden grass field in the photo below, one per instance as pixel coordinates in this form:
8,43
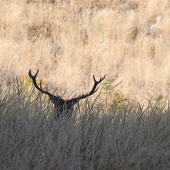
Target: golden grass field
69,41
128,38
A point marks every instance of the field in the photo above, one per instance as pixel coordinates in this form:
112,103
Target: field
127,127
69,41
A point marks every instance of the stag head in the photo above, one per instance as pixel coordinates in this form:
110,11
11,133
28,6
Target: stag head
64,107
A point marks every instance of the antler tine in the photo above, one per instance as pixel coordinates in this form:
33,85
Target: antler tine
101,79
94,78
95,84
30,74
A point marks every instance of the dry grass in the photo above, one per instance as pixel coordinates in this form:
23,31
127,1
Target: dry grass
94,138
130,38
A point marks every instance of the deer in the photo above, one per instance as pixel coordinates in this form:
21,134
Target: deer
64,107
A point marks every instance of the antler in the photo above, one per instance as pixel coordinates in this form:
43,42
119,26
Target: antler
35,83
57,100
74,100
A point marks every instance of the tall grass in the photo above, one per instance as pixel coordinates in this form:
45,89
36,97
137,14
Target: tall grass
95,137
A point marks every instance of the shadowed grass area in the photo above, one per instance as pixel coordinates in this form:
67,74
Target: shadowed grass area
93,138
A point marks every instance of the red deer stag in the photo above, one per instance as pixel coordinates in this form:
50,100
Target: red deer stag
64,107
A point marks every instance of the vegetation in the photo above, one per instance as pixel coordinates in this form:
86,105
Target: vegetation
93,138
69,41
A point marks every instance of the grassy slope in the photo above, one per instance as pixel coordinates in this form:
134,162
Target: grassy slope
128,38
120,41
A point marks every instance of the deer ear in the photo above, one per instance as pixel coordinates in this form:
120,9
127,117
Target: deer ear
58,96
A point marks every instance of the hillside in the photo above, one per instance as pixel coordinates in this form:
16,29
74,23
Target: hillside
69,41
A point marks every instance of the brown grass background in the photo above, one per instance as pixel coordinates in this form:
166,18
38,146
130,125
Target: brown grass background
130,38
